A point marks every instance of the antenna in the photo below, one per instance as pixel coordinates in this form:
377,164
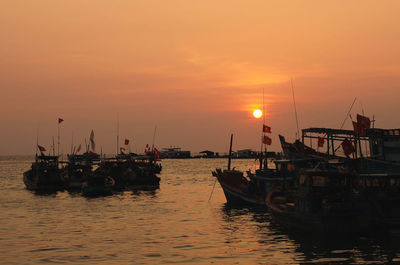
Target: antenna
295,110
348,113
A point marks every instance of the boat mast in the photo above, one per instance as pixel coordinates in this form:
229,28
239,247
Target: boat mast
54,148
72,142
58,143
265,146
37,140
154,137
117,133
230,153
295,111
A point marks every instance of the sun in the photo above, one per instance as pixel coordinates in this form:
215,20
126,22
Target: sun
257,113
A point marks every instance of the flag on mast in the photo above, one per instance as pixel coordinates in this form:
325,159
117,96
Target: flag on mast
321,141
41,148
60,120
92,143
348,147
363,123
266,140
266,129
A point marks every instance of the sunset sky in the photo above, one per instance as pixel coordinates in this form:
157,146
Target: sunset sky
194,69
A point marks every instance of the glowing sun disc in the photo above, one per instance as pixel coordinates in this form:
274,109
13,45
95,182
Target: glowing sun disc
257,113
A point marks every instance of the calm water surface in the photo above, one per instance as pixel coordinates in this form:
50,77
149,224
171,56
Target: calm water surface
173,224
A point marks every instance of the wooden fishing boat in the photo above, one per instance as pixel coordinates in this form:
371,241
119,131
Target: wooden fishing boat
44,174
98,185
373,158
380,196
131,170
78,169
238,189
253,187
322,202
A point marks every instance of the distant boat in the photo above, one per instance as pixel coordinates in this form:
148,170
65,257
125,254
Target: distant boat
44,174
131,170
78,169
98,185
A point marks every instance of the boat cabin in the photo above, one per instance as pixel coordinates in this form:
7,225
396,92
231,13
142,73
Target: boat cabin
384,144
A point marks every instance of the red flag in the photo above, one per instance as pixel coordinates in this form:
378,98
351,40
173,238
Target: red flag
348,147
321,141
266,140
121,150
41,148
364,123
356,128
156,153
60,120
126,141
266,129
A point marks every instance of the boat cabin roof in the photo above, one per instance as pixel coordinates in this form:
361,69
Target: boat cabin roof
383,132
329,131
294,160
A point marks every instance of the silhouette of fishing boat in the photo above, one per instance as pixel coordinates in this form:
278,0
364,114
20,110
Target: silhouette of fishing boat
78,169
44,174
254,187
131,170
322,201
375,170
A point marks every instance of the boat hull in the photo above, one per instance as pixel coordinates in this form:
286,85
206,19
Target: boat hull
237,189
236,197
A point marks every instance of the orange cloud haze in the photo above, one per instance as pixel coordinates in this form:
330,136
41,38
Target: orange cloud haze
194,69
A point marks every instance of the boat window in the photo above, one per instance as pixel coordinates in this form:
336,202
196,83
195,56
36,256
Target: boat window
302,179
319,181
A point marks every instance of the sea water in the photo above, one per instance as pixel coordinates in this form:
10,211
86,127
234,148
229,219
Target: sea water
176,223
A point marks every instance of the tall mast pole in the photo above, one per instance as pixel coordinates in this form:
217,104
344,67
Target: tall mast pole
230,153
37,140
265,146
117,133
58,143
295,111
263,107
154,137
53,147
72,142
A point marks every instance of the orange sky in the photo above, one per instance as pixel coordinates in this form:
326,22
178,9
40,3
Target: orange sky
195,69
